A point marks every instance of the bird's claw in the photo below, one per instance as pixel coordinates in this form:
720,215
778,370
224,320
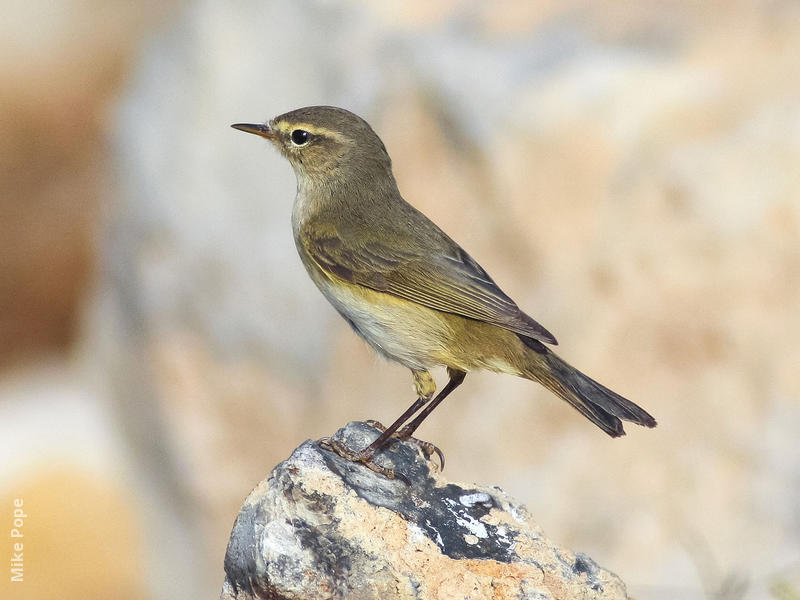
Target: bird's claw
361,456
428,449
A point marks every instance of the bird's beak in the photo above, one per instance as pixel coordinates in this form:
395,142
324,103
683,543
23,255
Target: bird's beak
262,129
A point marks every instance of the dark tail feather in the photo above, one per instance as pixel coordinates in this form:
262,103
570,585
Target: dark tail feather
600,405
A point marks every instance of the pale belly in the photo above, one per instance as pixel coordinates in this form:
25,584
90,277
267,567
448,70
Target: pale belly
397,329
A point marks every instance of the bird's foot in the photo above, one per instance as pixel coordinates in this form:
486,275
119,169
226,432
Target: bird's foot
428,449
364,457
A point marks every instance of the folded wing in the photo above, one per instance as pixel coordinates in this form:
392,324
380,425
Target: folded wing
439,274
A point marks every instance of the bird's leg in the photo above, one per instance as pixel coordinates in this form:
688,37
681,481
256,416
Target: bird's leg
365,456
425,387
456,377
424,384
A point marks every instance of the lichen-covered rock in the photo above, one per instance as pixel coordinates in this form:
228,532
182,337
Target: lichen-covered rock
322,527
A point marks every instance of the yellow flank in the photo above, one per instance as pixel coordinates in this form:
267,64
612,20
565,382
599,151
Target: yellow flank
460,343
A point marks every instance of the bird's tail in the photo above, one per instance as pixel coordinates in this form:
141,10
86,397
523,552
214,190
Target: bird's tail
600,405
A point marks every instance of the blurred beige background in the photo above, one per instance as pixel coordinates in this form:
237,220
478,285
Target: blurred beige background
628,172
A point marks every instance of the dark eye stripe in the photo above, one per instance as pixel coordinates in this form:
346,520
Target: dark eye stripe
300,137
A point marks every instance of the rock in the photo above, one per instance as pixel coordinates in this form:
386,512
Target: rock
322,527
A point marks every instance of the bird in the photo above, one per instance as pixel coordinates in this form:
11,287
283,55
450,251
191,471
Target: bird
407,288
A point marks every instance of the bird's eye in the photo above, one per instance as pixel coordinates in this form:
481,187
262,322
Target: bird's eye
300,137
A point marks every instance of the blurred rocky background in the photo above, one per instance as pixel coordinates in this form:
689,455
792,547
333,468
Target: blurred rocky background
628,172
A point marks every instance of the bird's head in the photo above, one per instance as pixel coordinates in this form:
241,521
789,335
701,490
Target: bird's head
325,144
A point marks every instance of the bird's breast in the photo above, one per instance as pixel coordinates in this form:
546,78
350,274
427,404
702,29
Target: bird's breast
397,329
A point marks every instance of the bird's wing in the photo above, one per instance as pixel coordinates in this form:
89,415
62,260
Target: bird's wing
446,279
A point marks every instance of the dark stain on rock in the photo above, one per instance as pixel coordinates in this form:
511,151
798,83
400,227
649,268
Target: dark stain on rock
449,515
585,565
